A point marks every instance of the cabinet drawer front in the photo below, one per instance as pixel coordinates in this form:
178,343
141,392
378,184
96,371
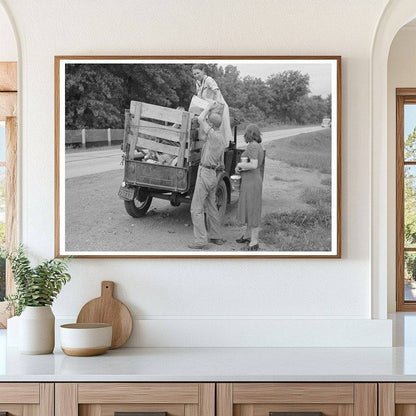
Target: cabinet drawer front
111,409
252,393
295,409
138,393
405,393
27,393
11,409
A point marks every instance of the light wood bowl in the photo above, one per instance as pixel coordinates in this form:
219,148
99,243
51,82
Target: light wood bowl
84,340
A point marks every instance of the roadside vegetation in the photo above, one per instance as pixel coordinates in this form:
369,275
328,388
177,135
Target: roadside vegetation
308,150
297,231
308,229
410,207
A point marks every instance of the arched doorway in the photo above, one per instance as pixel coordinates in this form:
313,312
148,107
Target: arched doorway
396,14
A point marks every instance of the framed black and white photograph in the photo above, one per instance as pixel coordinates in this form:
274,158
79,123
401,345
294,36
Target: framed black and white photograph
198,156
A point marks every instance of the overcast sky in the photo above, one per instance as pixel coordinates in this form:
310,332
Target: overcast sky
319,73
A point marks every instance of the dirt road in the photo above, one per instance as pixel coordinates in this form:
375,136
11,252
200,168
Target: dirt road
97,221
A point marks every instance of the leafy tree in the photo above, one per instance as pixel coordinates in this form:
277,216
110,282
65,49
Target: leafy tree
97,94
287,88
309,109
236,116
253,114
410,266
168,85
410,146
93,97
328,105
258,95
410,205
410,191
232,87
410,208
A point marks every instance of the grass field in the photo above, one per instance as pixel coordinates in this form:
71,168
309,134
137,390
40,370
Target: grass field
297,231
308,150
308,229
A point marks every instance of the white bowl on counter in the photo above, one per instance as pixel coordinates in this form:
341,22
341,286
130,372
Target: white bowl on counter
84,340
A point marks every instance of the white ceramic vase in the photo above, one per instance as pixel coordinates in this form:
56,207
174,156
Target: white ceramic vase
37,330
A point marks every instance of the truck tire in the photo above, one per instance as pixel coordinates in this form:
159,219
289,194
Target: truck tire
140,204
221,198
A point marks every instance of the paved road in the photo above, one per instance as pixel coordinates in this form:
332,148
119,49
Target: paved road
280,134
81,163
92,161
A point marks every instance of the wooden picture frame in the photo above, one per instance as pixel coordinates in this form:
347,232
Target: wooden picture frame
134,110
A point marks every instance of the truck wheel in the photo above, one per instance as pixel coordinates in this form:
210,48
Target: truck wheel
140,204
221,197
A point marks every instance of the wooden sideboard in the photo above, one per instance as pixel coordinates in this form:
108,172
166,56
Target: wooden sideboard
27,399
208,399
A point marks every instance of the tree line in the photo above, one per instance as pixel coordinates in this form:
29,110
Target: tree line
97,94
410,205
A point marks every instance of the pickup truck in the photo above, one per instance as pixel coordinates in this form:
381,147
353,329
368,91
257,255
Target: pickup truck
161,154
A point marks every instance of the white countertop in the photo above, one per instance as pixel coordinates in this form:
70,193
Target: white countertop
213,364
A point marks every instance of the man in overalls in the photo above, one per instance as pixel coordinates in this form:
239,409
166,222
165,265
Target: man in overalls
203,200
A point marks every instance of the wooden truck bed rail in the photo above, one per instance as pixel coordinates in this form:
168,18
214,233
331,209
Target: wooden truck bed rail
160,129
163,130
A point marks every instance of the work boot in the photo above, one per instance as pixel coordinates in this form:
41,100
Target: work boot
195,246
217,241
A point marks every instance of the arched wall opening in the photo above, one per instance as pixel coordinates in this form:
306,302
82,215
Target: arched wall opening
400,74
396,14
8,44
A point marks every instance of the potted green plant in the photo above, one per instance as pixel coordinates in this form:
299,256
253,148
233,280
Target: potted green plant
36,289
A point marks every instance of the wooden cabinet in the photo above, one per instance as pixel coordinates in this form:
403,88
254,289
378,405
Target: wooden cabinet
397,399
27,399
207,399
297,399
108,399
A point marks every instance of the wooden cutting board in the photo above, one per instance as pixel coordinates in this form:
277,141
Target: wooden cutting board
107,309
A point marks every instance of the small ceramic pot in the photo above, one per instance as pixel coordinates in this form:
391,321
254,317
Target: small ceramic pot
87,339
37,330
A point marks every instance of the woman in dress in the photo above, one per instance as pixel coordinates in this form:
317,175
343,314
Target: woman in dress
207,89
249,203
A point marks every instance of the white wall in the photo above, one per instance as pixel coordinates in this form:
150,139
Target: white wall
8,47
401,74
211,302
